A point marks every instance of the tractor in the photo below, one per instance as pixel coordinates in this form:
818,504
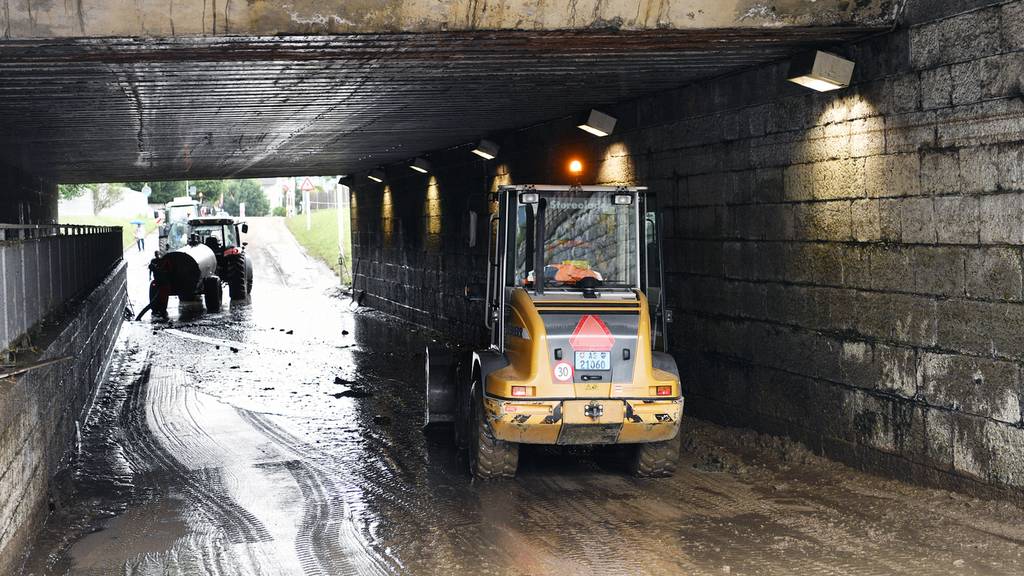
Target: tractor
574,306
212,255
173,231
222,234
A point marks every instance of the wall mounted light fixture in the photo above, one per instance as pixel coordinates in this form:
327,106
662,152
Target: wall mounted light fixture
486,149
598,123
420,165
820,71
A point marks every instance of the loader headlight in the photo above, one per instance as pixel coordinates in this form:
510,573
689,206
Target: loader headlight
529,198
623,199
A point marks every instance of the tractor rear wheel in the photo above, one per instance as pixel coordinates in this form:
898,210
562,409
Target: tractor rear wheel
213,293
237,284
489,458
657,459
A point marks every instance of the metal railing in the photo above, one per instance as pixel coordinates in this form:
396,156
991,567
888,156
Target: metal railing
45,266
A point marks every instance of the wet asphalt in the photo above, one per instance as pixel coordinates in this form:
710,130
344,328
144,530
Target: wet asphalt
282,435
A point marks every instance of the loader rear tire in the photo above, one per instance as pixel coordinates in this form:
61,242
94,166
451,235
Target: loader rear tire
489,458
657,459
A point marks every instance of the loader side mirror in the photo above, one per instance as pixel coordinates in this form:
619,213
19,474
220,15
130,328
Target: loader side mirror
245,228
475,292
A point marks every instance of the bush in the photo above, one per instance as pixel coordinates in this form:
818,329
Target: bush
280,211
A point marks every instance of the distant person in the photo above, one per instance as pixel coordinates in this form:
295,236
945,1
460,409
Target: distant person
140,237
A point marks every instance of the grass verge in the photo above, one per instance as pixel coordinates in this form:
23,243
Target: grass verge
321,240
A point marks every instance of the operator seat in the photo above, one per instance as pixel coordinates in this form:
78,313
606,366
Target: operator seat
212,243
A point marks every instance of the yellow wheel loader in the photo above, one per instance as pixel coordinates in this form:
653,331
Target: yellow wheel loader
577,320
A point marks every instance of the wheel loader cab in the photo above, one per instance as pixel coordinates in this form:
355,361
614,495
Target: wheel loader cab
573,301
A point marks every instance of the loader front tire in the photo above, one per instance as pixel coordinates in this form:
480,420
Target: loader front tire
657,459
489,458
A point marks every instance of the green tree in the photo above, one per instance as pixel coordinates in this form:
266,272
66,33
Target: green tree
106,195
248,191
164,192
72,191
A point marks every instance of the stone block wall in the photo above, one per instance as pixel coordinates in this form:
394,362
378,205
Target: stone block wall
40,411
845,268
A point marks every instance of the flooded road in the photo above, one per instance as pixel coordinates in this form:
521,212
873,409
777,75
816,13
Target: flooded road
282,436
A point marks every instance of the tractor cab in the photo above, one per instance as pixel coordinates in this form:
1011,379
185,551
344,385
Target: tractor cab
219,233
223,236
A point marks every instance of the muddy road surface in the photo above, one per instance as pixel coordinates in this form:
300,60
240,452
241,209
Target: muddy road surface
282,436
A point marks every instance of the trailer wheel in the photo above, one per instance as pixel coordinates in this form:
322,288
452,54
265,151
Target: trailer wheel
212,292
657,459
237,288
489,458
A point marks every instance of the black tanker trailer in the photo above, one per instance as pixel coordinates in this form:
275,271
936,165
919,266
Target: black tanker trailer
214,254
190,273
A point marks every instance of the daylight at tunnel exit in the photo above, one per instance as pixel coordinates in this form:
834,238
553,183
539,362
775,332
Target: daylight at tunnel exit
512,287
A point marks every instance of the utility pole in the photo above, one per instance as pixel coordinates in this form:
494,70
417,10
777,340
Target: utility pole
305,208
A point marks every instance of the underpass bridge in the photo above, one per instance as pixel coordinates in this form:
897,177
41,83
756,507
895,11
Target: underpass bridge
877,227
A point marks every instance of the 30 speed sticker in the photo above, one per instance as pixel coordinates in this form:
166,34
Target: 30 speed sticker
563,372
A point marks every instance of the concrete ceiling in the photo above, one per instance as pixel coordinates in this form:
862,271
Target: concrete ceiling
87,110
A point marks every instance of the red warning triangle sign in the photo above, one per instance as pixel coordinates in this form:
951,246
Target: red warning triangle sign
591,335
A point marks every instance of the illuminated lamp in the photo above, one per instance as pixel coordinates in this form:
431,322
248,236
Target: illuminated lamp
420,165
598,123
486,149
820,71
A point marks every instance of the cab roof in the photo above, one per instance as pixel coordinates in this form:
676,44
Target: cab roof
213,220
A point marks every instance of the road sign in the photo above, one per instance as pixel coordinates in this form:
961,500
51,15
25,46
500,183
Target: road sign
591,334
307,185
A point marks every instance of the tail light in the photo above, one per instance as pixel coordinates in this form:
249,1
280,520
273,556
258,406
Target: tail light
232,251
522,391
664,391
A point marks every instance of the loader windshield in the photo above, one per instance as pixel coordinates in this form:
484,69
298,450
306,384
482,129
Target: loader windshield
585,235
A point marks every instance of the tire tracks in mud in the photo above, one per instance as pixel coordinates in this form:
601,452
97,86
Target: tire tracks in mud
328,543
204,488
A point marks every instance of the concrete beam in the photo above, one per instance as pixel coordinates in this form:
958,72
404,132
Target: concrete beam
162,18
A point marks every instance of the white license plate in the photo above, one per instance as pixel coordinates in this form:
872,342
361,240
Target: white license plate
593,360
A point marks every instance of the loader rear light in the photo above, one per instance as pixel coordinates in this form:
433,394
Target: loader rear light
663,391
522,390
232,251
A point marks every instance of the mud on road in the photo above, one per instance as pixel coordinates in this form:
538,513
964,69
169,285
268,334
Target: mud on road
282,436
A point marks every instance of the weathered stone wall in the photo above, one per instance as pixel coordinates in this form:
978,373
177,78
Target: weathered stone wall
846,267
40,411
